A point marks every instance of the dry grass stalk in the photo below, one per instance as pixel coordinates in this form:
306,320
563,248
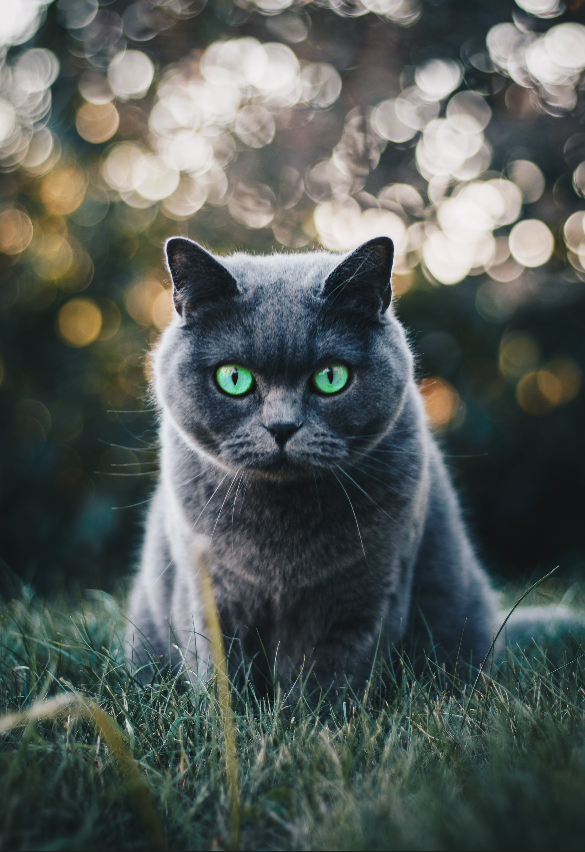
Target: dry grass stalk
136,783
223,691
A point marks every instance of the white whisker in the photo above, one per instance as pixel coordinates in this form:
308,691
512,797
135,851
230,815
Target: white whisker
357,485
223,504
234,503
354,514
209,501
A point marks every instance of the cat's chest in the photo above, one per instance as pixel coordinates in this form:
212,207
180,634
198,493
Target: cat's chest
289,541
292,621
286,537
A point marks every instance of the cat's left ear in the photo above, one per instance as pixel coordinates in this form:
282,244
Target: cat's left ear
362,280
198,278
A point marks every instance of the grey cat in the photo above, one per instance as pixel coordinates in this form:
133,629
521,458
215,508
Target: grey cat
294,437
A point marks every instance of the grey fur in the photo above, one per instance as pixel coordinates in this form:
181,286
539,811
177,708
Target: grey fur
353,528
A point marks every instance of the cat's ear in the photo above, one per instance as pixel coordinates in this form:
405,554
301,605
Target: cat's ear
198,278
362,280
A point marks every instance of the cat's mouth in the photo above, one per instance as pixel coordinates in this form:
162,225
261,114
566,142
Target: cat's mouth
280,464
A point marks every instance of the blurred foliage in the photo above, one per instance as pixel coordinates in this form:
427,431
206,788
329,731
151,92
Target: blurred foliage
454,127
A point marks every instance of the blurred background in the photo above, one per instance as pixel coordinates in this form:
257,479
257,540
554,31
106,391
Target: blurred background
455,127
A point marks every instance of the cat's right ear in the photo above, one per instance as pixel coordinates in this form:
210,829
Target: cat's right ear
363,279
198,278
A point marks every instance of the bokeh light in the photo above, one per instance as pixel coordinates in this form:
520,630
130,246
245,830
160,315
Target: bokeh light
437,78
529,178
579,179
130,74
20,20
148,302
97,122
531,242
442,402
62,190
79,322
519,353
16,230
541,8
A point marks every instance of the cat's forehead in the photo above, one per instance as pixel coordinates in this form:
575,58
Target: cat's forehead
304,273
279,323
281,336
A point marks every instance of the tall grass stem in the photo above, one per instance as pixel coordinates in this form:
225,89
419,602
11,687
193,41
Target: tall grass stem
215,637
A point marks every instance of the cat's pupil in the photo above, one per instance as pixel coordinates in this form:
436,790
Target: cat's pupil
330,375
235,376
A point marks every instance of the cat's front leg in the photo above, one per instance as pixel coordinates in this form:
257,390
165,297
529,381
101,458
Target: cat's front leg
342,661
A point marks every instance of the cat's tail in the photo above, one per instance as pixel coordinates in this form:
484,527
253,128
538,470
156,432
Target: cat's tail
538,625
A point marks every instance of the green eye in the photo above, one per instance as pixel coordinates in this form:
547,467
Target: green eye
234,379
331,379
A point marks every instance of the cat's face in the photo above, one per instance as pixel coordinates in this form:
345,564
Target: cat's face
282,365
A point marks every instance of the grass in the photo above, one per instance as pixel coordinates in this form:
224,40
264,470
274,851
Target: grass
423,764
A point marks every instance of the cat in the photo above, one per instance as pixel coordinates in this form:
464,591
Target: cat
294,438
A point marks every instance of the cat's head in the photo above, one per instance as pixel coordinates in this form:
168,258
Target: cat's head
282,364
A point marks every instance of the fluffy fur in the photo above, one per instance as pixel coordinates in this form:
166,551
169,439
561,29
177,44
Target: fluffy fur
348,532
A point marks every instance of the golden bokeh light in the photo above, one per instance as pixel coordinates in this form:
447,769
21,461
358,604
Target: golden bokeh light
111,319
79,322
539,391
16,230
97,122
53,257
519,353
80,273
141,300
549,386
441,401
402,281
533,393
62,190
568,374
162,309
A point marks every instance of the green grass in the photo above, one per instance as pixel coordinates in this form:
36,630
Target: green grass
427,764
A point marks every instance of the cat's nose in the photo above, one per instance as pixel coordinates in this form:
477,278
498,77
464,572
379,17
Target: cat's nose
283,431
